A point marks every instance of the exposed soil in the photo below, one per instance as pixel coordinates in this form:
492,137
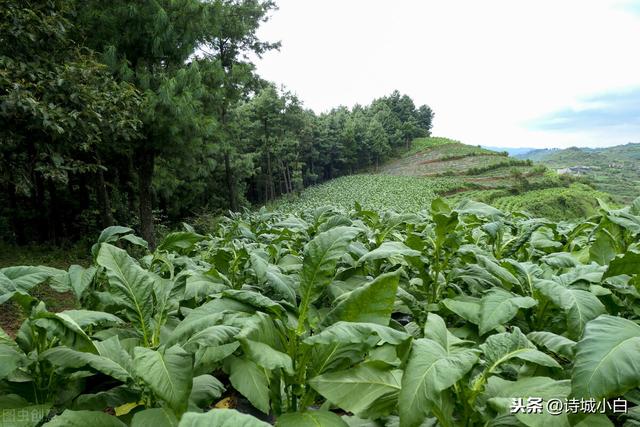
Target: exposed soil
445,159
11,315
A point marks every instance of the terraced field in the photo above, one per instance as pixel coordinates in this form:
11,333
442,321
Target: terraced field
444,167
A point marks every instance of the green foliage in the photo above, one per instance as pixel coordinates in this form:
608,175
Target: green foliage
575,201
60,110
420,144
441,316
378,192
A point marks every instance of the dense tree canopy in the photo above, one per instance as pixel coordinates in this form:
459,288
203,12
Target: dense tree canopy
138,112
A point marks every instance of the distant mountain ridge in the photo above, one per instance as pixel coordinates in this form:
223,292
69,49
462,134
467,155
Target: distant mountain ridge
615,170
513,151
627,151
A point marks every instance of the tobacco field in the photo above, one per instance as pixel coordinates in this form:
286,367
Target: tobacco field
329,317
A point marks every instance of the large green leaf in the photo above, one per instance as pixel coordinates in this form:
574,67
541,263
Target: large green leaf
501,393
220,418
21,279
603,249
311,419
254,299
320,258
10,358
470,207
85,318
388,250
114,350
200,285
251,380
206,388
266,356
606,361
131,282
207,358
211,336
464,306
368,390
498,306
180,241
156,417
500,348
76,280
579,306
281,284
558,344
83,419
431,369
26,277
505,277
168,374
628,263
559,260
352,332
335,356
68,358
65,329
371,303
436,329
80,278
193,325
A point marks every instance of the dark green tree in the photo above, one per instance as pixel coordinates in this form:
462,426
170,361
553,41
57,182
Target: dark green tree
59,110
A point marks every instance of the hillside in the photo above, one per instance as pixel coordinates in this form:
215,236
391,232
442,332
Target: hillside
615,170
512,151
444,167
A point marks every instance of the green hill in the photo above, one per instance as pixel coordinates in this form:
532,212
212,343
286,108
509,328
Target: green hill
614,170
440,167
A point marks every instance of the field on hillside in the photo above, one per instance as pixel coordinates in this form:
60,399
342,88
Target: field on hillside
380,192
335,319
443,167
613,170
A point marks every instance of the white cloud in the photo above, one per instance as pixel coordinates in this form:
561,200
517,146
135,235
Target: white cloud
485,67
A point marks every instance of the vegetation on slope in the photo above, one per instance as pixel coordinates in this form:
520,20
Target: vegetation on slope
378,192
410,182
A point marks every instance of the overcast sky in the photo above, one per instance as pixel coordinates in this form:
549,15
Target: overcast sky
534,73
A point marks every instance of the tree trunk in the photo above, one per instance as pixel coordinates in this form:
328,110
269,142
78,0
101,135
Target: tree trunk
284,180
233,199
16,216
269,183
42,223
104,202
55,228
146,160
129,181
290,179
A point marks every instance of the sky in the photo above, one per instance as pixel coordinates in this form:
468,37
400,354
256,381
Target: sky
507,73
